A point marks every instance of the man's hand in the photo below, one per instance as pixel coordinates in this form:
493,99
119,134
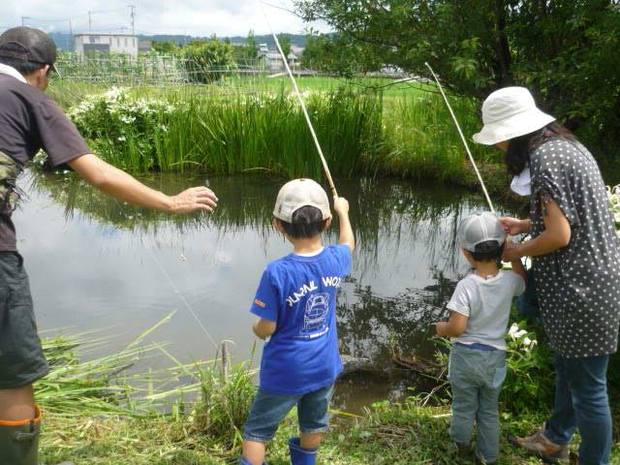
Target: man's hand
120,185
514,226
341,206
194,199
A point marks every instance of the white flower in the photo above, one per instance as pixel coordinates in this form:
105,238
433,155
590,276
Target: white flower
515,333
513,329
127,119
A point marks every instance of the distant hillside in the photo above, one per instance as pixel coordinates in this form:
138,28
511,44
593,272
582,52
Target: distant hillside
296,39
64,41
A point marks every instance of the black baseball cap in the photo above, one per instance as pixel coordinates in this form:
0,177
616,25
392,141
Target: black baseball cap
29,45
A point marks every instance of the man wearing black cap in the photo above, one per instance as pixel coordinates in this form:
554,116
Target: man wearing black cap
30,121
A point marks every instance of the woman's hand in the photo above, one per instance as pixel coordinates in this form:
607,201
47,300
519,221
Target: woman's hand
512,252
514,226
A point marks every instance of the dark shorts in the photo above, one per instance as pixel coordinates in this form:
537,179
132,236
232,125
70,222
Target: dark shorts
268,410
21,356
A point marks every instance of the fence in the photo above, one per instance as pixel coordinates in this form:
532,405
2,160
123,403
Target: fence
154,69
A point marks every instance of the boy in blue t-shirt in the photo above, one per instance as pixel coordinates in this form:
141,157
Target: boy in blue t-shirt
296,306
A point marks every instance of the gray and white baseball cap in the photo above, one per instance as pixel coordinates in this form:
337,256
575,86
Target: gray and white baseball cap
479,228
301,193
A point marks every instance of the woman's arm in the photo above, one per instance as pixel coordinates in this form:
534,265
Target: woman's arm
556,235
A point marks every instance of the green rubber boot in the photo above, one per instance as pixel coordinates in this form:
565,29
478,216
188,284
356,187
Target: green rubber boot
19,441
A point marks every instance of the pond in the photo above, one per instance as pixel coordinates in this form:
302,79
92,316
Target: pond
96,264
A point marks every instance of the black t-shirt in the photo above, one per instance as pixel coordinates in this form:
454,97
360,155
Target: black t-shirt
30,121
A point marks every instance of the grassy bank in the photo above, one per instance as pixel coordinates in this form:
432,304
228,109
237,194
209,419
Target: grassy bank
107,412
364,129
398,434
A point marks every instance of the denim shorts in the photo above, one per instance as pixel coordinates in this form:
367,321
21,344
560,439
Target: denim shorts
268,410
21,356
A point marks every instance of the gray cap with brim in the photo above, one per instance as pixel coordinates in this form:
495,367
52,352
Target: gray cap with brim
479,228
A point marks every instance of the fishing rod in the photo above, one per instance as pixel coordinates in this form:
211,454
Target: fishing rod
458,127
303,105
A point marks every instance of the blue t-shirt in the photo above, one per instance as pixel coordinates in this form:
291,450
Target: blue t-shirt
299,294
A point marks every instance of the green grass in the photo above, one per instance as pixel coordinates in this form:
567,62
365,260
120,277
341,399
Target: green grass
396,434
102,412
254,124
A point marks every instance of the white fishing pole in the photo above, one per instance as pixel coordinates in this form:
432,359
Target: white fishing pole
303,105
458,127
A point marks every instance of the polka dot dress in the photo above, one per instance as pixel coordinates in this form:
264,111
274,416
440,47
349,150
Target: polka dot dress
579,285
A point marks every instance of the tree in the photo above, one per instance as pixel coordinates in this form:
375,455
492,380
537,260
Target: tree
206,59
565,51
250,45
285,44
335,54
165,47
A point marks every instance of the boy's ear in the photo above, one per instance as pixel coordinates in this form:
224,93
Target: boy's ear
277,224
328,223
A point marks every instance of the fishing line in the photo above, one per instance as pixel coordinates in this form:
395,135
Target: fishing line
471,158
182,297
301,102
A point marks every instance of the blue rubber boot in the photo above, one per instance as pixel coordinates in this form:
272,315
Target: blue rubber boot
299,455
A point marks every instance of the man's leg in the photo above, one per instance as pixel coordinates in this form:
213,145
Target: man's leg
20,424
17,404
21,363
588,384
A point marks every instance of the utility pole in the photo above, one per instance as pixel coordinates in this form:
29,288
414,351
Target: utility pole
71,34
90,22
24,20
132,17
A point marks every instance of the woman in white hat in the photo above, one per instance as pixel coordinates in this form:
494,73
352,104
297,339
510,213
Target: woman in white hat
576,262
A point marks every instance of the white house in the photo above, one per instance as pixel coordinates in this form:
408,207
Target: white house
106,43
273,59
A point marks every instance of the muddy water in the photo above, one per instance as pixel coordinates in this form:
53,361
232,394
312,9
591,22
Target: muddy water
97,264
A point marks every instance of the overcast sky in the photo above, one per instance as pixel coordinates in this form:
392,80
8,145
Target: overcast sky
192,17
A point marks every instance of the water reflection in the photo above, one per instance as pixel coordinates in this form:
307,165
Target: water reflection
91,261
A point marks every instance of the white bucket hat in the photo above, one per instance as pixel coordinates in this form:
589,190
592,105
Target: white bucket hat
301,193
508,113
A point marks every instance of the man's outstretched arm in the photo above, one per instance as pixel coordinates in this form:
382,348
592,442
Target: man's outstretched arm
118,184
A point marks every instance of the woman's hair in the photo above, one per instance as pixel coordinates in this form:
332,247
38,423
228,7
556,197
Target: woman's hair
307,222
519,149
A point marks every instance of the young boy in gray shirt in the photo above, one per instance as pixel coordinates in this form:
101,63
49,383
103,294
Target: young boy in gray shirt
480,309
